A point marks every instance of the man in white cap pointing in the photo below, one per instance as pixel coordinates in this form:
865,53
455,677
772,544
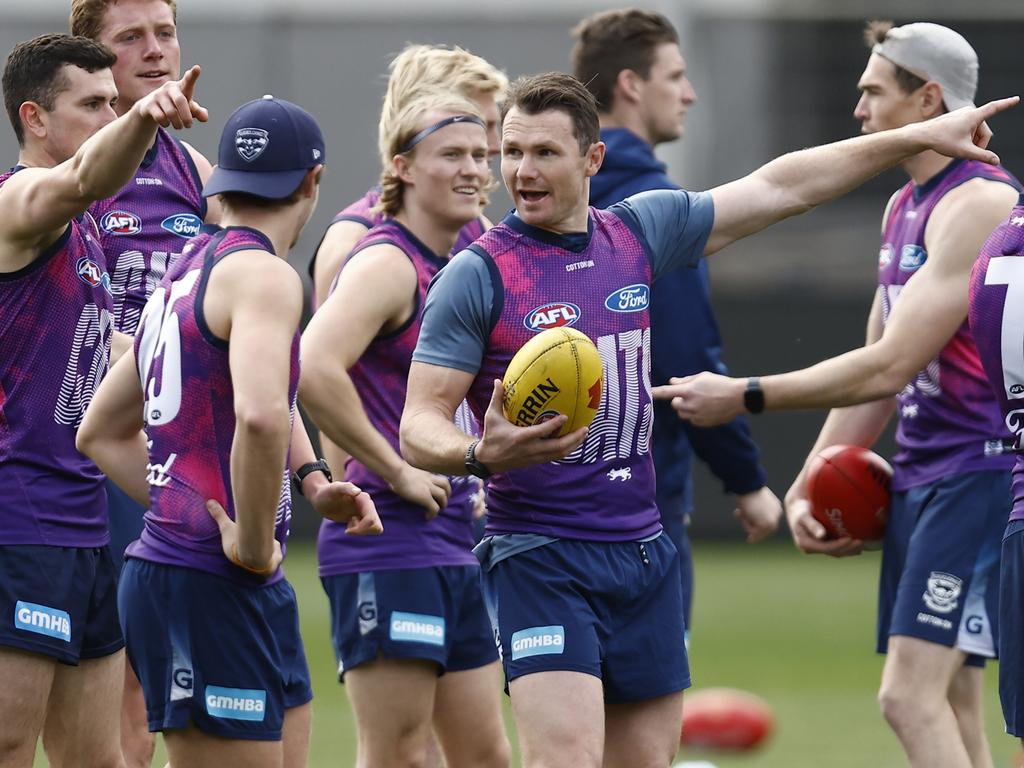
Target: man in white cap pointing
937,616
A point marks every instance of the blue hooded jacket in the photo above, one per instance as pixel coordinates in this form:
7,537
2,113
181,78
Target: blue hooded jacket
684,340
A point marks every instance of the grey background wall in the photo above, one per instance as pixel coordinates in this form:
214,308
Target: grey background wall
770,76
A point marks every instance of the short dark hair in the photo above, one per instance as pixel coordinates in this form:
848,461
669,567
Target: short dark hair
611,41
556,90
34,71
875,32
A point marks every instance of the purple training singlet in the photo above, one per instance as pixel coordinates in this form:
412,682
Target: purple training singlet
144,226
380,376
997,323
949,422
360,212
190,417
55,326
604,490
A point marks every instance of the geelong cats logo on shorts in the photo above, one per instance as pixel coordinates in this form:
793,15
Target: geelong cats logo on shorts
943,591
250,143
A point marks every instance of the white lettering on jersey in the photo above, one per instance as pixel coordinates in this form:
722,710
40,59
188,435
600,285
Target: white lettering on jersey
163,339
621,428
1009,271
92,333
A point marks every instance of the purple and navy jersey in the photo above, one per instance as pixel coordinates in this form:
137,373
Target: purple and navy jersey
189,413
949,422
380,376
997,323
144,227
55,329
605,489
518,280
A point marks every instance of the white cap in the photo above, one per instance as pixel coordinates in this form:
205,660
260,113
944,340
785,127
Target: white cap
937,53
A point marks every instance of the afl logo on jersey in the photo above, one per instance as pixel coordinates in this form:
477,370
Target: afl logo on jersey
182,224
885,256
632,298
90,273
121,223
912,257
250,143
558,314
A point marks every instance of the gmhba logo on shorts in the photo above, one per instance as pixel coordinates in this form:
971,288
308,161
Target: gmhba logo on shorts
417,628
236,703
537,641
43,620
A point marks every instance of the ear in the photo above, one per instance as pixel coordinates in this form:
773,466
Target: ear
402,165
595,157
931,99
32,118
311,181
627,86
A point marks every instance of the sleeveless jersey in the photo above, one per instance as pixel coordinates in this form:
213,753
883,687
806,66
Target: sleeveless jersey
949,422
997,322
190,417
144,226
360,212
603,491
55,326
380,376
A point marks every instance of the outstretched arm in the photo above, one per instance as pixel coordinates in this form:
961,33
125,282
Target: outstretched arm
799,181
927,313
38,203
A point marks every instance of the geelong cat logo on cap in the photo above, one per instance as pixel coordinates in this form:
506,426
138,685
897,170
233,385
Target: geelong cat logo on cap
250,143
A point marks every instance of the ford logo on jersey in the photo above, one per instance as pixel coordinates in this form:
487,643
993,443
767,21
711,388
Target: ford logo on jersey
557,314
89,272
183,224
912,257
632,298
121,223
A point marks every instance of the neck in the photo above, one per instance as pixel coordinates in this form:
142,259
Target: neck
628,119
37,156
437,234
280,229
924,166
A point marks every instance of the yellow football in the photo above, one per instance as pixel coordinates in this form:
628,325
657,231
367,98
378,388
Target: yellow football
557,371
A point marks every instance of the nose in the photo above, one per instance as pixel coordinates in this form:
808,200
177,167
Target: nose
525,170
153,49
860,112
689,94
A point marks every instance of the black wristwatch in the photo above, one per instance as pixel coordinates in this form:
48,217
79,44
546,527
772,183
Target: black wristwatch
320,465
753,396
474,465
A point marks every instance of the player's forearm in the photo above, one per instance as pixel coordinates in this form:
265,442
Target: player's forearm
125,460
859,376
258,456
434,443
109,159
337,410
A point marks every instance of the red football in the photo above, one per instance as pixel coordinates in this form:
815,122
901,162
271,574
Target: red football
848,487
725,718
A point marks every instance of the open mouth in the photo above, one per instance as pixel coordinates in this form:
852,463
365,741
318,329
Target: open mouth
532,196
469,191
152,75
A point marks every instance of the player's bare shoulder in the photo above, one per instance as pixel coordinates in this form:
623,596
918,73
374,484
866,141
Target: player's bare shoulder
967,214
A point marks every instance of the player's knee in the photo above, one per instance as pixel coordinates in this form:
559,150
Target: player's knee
496,753
16,748
901,707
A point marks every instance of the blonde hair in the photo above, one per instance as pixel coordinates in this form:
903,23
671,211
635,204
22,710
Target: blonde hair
406,124
87,16
421,68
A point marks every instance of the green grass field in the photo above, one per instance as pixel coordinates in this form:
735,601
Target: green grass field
797,630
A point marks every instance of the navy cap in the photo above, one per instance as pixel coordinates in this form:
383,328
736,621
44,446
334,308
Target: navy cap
266,149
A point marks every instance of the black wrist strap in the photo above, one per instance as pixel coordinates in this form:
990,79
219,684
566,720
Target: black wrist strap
320,465
753,397
473,465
